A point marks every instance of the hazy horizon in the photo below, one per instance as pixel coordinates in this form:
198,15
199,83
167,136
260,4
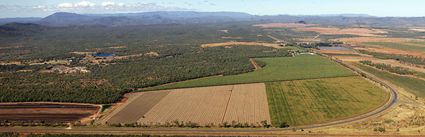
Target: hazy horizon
380,8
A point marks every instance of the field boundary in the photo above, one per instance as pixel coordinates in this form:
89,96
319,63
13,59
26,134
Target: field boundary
146,90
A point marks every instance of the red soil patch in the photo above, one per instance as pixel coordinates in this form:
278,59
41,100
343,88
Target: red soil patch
47,112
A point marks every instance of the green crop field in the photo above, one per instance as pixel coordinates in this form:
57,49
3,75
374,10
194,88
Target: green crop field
304,102
276,69
414,85
400,46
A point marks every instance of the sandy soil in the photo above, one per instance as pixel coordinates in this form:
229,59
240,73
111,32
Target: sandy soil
359,40
118,47
272,45
283,25
348,31
366,32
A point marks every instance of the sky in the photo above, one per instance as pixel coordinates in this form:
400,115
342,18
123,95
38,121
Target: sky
42,8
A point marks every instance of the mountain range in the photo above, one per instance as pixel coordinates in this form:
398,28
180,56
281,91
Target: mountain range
188,17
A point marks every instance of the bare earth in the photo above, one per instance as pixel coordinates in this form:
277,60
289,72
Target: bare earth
246,103
137,108
272,45
366,32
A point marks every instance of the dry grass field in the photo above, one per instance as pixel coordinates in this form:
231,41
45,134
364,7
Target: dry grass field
366,32
198,105
345,31
283,25
248,104
272,45
241,104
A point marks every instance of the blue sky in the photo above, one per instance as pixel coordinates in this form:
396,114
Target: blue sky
41,8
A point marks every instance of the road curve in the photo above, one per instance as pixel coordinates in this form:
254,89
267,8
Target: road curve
222,131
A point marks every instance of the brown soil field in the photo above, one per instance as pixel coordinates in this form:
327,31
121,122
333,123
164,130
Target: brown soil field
418,29
118,47
245,103
152,54
47,112
367,32
272,45
137,107
336,52
248,104
359,40
283,25
349,31
392,51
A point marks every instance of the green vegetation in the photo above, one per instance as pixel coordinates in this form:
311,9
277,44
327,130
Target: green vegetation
306,102
179,58
388,67
402,58
276,69
9,135
413,85
399,46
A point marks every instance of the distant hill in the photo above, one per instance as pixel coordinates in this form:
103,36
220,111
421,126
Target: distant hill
145,18
19,20
190,17
20,29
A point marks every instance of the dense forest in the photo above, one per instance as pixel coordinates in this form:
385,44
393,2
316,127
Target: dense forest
179,57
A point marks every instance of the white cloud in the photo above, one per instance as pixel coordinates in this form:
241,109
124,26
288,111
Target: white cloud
65,5
84,4
108,4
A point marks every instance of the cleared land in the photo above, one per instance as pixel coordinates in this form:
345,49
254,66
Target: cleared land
198,105
206,106
400,46
306,102
366,32
413,85
248,104
345,31
45,112
137,107
272,45
276,69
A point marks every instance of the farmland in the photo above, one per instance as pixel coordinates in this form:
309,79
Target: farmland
44,112
206,106
137,108
367,32
276,69
149,51
272,45
400,46
306,102
413,85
